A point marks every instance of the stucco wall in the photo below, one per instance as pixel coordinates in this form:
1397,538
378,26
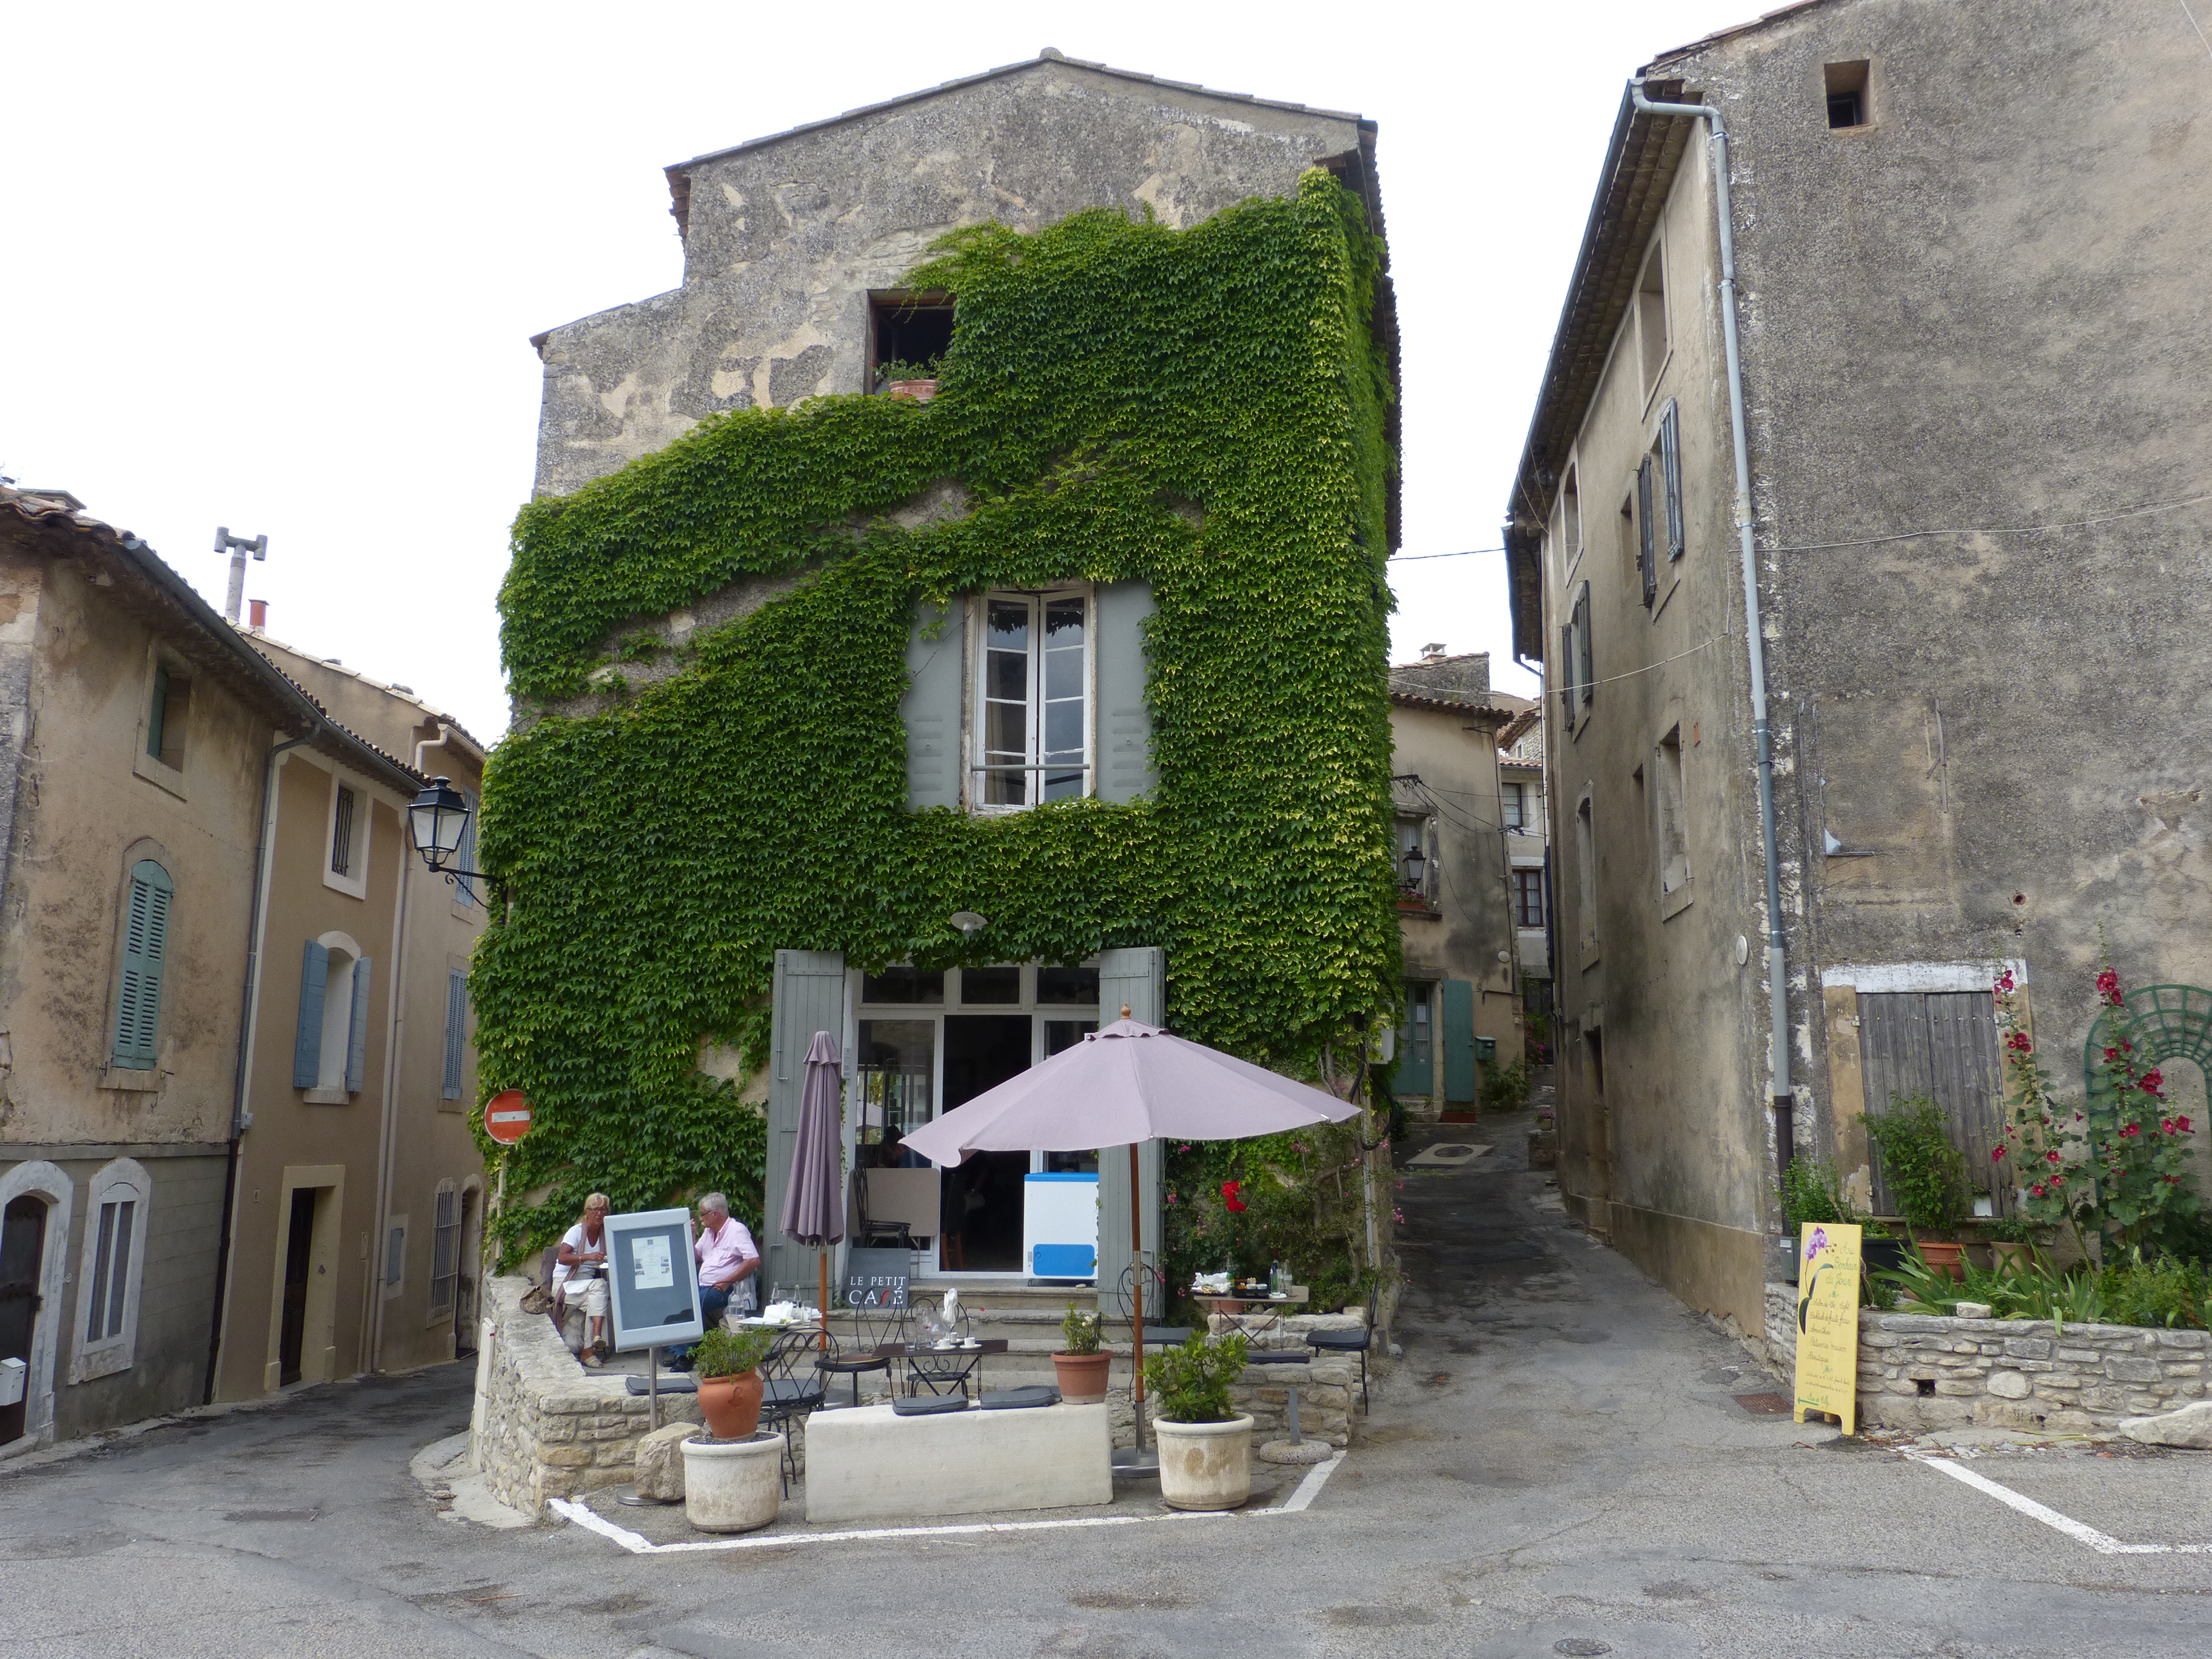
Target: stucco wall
786,238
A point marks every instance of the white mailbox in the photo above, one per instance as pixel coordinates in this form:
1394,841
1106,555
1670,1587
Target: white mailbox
12,1374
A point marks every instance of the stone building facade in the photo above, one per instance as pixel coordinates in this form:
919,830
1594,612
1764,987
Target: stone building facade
1965,238
1462,986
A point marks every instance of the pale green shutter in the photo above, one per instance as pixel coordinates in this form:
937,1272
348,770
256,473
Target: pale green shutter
1139,978
1124,725
145,943
931,708
1416,1070
1456,1032
465,892
456,1021
809,996
357,1028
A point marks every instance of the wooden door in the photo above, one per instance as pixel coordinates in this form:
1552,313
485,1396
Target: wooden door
22,1254
299,1255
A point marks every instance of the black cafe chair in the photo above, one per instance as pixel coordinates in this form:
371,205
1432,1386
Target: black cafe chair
787,1393
856,1355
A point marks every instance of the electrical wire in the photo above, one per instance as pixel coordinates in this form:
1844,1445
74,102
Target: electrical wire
2192,16
1465,553
2021,530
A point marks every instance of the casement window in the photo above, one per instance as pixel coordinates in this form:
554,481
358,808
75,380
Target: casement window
1585,653
1669,451
1647,558
1651,327
1528,899
1571,523
113,1266
1567,674
456,1031
445,1251
1033,699
1586,874
1659,527
1418,879
1416,1070
1512,804
168,716
345,839
1018,699
330,1051
145,948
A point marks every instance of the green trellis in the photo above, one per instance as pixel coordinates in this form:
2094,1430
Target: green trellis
2166,1022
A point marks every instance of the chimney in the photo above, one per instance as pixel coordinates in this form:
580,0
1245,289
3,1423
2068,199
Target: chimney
1433,652
256,613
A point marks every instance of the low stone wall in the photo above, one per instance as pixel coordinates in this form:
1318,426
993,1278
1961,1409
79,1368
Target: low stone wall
1921,1371
546,1426
1328,1384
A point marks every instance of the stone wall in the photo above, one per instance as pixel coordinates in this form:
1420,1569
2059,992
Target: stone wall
546,1427
1328,1384
1919,1371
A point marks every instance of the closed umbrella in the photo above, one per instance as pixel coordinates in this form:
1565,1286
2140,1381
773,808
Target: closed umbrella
813,1203
1128,1084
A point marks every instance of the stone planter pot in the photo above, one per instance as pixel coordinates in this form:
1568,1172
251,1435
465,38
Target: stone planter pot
732,1405
1082,1377
733,1486
919,390
1205,1466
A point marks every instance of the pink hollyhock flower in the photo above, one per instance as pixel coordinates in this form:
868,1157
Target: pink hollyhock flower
2131,1129
2050,1158
1996,1154
2151,1081
2018,1042
2108,986
2004,979
2184,1123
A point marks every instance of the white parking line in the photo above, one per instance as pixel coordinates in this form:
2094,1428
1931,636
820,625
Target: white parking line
2080,1532
637,1544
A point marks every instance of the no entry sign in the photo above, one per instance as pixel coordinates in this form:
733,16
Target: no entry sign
506,1118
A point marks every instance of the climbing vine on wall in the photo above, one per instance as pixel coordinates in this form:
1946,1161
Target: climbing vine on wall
1202,409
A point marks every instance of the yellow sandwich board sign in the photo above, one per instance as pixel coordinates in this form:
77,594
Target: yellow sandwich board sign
1828,1321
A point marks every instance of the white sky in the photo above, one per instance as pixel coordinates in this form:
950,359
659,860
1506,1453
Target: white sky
276,268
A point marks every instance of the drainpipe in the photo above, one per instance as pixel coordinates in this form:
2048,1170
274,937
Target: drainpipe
1778,983
257,916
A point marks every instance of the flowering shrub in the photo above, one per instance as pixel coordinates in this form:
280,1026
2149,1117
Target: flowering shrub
2115,1169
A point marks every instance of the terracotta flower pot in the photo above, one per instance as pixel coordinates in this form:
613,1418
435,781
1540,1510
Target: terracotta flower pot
1944,1258
2015,1250
732,1405
1082,1377
919,390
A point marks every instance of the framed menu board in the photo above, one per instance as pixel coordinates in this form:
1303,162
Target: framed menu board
654,1282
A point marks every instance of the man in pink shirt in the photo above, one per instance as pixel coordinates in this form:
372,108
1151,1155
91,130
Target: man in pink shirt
726,1261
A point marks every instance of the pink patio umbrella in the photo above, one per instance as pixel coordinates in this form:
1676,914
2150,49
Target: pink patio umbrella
1129,1083
813,1199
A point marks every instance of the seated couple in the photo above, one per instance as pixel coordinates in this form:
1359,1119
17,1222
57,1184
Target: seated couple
726,1261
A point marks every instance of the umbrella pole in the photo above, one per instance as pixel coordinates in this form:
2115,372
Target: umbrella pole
1137,1286
822,1306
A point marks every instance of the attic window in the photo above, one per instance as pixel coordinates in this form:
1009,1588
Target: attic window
1847,94
907,332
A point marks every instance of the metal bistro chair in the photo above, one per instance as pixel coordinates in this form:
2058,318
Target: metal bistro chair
1361,1342
872,1327
786,1392
1123,1304
940,1371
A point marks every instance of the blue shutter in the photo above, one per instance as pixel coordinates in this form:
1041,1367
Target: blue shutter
1416,1071
357,1028
931,709
145,943
1123,746
307,1046
457,1020
1586,674
1647,562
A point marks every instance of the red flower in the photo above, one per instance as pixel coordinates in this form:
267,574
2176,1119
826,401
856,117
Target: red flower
2173,1181
2166,1125
2108,987
1229,1190
2018,1042
1996,1154
2050,1158
2110,1054
2184,1123
2038,1189
2129,1129
2059,1180
2151,1080
2004,981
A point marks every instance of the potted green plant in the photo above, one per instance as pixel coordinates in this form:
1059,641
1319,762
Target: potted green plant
1081,1361
727,1365
1205,1442
896,378
2012,1238
1812,1194
1927,1175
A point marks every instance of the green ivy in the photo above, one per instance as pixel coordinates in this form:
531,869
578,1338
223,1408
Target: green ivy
1200,408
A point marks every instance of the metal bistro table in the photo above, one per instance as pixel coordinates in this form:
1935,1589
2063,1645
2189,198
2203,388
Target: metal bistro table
941,1370
1236,1301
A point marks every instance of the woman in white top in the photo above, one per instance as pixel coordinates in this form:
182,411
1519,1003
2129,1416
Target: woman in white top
579,1275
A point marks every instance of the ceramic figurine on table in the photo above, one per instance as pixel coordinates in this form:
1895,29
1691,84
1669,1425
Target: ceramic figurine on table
951,1310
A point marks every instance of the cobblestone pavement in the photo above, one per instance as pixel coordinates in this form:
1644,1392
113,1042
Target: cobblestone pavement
1559,1466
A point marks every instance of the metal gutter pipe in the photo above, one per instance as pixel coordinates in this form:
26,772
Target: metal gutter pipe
1777,982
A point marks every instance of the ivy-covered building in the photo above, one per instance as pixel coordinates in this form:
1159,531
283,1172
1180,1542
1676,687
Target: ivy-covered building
952,720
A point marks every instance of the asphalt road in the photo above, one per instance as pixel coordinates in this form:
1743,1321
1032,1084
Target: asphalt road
1559,1467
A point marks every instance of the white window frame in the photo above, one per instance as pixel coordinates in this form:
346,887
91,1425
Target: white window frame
355,881
979,693
123,1181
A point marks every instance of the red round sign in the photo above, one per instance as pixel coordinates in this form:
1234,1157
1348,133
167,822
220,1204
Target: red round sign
506,1118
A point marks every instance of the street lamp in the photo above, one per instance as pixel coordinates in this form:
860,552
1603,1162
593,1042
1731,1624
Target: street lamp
438,818
1415,864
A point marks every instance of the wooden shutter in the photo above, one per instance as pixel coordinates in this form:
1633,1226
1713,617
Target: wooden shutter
1567,672
1944,1044
1137,977
931,708
357,1028
1456,1030
157,716
145,944
457,1023
445,1248
1647,563
307,1045
1123,745
1415,1074
1670,468
465,892
1586,676
809,996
